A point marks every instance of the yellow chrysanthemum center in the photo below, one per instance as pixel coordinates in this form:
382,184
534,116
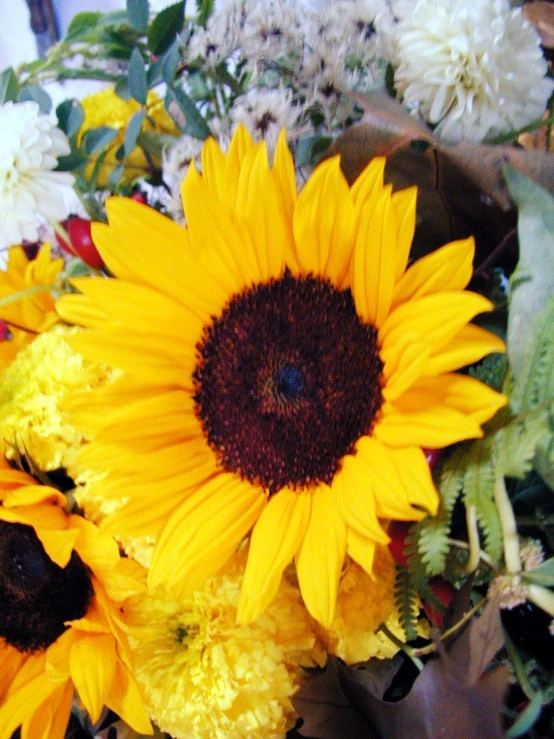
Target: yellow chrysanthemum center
203,675
32,390
288,380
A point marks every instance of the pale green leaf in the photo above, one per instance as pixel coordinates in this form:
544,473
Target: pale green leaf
479,477
532,283
542,575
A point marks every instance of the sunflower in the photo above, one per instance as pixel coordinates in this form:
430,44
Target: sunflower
284,370
34,312
61,584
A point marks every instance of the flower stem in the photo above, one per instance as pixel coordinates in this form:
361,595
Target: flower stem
411,653
509,528
452,630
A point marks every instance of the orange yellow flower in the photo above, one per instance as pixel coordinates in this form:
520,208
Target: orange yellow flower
61,586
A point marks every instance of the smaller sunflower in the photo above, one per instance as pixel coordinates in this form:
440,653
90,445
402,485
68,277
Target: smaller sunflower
61,585
34,313
205,676
106,108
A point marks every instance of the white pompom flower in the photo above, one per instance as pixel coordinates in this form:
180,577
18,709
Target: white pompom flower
30,191
472,69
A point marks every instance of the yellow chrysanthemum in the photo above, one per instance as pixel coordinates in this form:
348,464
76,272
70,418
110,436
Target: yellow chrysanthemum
284,371
32,392
203,676
363,604
61,586
106,108
35,312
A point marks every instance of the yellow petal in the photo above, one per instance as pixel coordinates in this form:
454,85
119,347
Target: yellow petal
391,496
373,267
285,179
469,345
404,203
124,699
445,269
361,549
81,311
95,548
434,318
58,545
404,362
319,561
354,498
413,470
92,665
418,419
369,183
21,705
52,717
275,540
204,531
324,224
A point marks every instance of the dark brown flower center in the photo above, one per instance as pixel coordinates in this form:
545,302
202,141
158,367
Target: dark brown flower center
288,379
36,595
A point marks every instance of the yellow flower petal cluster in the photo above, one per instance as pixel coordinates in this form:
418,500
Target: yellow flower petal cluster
36,311
363,604
92,654
285,368
203,676
33,389
106,108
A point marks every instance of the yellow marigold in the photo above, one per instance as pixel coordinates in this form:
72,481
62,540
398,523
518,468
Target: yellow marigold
363,604
34,312
106,108
61,586
203,676
32,391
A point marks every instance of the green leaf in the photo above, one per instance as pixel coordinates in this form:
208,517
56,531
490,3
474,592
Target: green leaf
433,531
195,125
138,12
71,162
115,177
154,142
406,596
516,443
541,575
9,86
533,389
165,27
138,85
82,23
170,62
133,131
205,9
97,139
70,116
479,477
528,718
37,95
532,283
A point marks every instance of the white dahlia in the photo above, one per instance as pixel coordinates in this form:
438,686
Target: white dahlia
30,192
475,69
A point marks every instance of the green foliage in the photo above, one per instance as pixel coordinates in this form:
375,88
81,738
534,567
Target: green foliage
138,86
70,116
37,95
205,9
433,532
491,370
165,27
138,12
9,86
133,131
406,597
195,125
97,139
532,283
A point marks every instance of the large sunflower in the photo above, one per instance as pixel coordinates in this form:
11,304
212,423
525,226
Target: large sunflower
61,586
283,370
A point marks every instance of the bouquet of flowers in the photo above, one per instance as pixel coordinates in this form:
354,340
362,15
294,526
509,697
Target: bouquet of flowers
276,374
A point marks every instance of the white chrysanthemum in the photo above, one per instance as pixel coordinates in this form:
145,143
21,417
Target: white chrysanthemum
475,69
272,30
265,112
29,189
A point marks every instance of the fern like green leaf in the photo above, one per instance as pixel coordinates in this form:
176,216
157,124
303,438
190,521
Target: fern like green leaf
406,598
433,532
515,444
479,477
